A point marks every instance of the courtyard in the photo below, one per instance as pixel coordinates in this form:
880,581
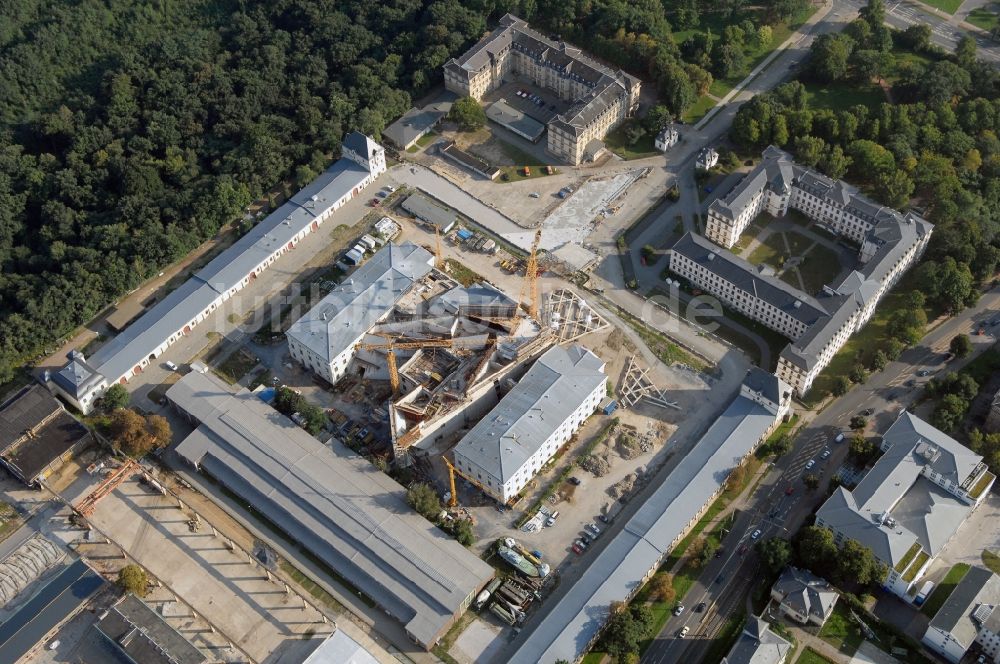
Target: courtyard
799,255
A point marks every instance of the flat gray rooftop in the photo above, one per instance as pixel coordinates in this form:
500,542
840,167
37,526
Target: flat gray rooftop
337,505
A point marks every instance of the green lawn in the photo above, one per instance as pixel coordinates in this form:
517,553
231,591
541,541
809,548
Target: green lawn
521,158
943,590
237,365
840,631
771,251
864,342
820,266
810,656
948,6
842,96
991,561
987,18
616,142
698,109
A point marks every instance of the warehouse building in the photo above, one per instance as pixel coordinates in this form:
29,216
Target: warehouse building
619,570
82,380
507,448
912,502
436,216
417,123
602,98
37,435
818,326
337,506
324,340
138,633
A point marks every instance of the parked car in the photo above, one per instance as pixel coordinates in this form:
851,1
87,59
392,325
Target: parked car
679,609
577,549
825,455
170,365
594,530
755,534
575,481
580,543
839,438
812,462
924,373
551,521
586,537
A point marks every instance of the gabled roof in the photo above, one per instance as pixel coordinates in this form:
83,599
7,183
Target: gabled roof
972,603
806,593
766,384
345,512
361,300
758,645
527,416
895,505
360,144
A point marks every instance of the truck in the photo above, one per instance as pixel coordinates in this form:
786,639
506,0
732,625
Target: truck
925,590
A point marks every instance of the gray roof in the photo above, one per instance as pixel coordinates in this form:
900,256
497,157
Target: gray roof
228,269
567,628
891,235
766,383
737,271
477,299
144,636
517,121
606,84
806,593
346,513
972,603
758,645
360,143
24,411
430,212
361,300
339,648
920,510
416,122
77,377
555,386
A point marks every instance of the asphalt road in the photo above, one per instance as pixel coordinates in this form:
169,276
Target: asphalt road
945,30
780,514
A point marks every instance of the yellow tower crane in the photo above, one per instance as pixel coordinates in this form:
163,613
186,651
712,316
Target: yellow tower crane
452,471
438,258
529,290
392,346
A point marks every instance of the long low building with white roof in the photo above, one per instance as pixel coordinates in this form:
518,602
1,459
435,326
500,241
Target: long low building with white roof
633,556
336,505
507,448
83,380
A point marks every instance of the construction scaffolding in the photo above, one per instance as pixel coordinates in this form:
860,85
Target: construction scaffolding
636,386
570,316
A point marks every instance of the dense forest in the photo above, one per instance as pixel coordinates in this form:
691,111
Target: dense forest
132,131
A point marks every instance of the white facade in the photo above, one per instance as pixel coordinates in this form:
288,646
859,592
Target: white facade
507,448
707,159
667,138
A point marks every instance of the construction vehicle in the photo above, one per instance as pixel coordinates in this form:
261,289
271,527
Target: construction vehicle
452,471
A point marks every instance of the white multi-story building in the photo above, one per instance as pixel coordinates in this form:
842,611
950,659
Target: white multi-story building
707,159
912,502
817,326
325,339
602,98
505,449
81,381
969,616
667,138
